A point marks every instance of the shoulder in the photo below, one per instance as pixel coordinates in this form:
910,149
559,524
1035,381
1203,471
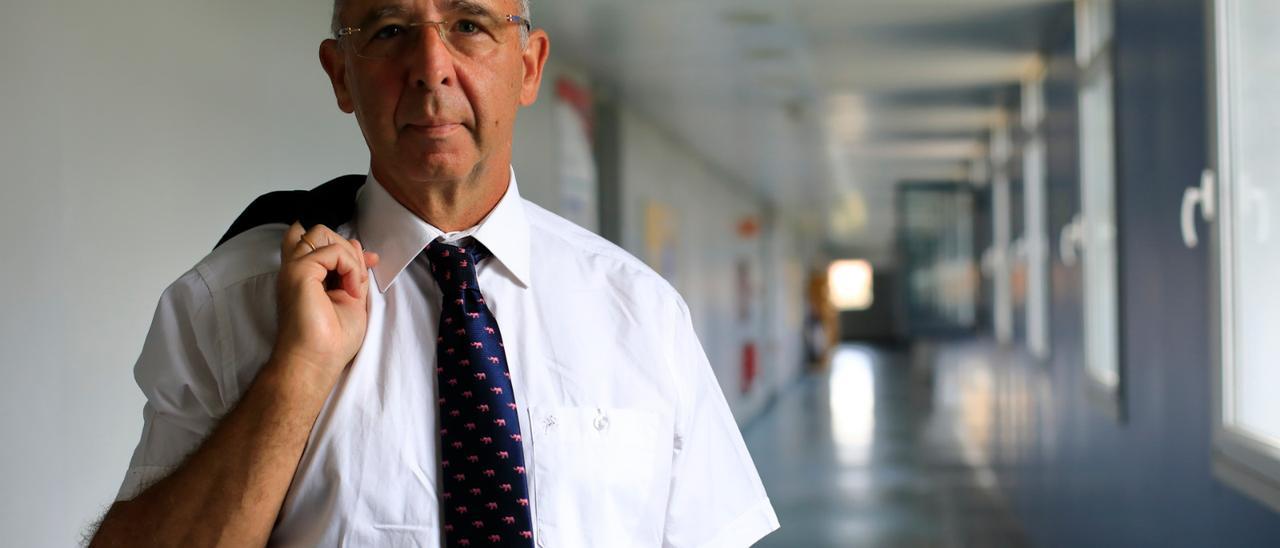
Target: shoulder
585,257
221,312
251,254
251,246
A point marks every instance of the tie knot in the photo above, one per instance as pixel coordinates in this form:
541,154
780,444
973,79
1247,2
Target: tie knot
454,267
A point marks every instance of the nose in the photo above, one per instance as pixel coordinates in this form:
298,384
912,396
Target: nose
432,65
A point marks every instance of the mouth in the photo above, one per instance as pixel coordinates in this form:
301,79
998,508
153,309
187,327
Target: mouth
433,130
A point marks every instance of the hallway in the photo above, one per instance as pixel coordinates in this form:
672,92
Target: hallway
866,454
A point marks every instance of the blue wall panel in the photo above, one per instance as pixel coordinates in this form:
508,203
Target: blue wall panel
1076,474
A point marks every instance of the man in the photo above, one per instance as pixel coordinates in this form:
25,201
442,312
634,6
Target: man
492,376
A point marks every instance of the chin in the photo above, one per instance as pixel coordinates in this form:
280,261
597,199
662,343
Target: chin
438,166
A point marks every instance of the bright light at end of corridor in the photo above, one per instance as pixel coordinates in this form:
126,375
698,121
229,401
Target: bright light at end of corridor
853,403
850,283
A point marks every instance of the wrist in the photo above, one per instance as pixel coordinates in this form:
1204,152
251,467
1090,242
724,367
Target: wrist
296,378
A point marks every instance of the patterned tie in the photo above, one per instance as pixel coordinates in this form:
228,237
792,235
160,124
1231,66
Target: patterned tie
484,498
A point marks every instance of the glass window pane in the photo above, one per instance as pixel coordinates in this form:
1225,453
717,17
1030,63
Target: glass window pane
1253,193
936,256
1035,233
1094,27
1097,188
1001,231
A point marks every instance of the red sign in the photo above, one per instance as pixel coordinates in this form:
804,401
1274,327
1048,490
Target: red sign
748,366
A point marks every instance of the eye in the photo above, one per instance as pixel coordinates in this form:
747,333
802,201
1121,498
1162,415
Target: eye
467,26
389,32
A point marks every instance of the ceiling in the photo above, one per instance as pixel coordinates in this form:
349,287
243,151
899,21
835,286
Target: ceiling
818,106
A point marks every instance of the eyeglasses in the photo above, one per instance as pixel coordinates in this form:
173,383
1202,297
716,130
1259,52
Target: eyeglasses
470,35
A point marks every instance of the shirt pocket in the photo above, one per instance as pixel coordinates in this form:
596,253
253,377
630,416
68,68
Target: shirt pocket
601,476
390,535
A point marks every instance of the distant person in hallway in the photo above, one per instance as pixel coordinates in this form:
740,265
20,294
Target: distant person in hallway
420,357
822,321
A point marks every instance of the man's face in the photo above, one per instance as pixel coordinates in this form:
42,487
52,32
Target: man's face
433,110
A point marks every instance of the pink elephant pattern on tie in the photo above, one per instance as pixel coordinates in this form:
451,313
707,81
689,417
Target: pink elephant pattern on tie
484,497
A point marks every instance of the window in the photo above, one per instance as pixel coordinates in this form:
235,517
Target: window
996,261
1034,247
936,257
1096,225
1247,413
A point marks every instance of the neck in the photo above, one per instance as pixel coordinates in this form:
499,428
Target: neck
449,204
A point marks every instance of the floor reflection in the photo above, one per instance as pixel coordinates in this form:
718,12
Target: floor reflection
852,398
861,456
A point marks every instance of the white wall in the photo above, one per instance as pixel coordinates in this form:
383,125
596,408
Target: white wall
707,207
536,153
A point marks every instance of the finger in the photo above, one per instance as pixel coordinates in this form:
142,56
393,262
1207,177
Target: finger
322,235
364,265
304,243
350,279
331,258
352,270
371,258
359,248
290,241
354,283
315,238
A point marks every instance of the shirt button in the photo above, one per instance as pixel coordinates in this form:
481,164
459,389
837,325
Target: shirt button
602,422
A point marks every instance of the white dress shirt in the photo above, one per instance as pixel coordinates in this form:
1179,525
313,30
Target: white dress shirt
628,439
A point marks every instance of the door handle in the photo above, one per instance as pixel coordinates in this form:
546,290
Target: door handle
1070,240
988,261
1018,249
1203,196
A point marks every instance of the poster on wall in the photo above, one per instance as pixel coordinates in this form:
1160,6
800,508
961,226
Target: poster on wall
660,239
578,176
748,230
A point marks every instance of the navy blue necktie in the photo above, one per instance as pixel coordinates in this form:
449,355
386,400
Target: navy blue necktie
483,496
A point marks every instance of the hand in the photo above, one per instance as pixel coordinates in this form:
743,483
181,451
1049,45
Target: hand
322,299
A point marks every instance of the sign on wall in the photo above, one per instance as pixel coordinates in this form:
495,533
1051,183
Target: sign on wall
578,176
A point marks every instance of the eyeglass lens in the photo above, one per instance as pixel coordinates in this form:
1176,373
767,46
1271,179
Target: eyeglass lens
469,35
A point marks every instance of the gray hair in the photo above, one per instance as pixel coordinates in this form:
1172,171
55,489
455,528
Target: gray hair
335,23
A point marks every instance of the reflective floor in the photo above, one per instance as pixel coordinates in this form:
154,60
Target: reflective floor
867,454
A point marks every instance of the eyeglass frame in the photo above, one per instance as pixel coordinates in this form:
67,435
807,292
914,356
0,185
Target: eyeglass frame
347,32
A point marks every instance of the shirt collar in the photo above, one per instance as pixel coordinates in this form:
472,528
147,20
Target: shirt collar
398,235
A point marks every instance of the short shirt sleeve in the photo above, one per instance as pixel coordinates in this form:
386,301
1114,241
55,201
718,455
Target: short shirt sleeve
717,499
174,373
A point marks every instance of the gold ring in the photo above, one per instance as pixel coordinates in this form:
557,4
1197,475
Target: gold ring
308,242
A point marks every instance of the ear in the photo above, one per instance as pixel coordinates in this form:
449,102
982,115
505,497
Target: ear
533,59
335,65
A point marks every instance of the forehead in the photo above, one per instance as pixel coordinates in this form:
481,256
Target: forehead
366,8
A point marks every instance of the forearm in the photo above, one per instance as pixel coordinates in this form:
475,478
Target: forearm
229,491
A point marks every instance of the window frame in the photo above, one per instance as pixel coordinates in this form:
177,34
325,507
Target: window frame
1096,63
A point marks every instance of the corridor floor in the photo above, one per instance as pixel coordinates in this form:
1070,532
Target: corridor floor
864,455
